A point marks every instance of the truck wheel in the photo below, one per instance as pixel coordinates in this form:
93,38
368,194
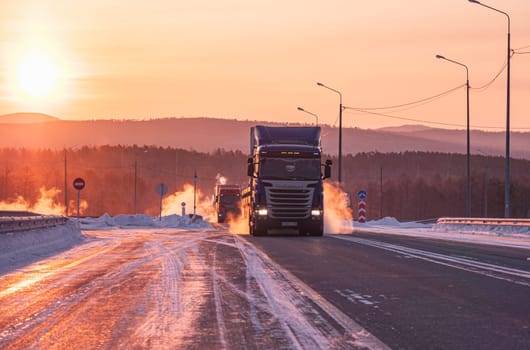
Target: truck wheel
257,230
317,233
316,230
250,226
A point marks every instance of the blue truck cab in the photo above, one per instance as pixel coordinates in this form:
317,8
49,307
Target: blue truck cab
285,191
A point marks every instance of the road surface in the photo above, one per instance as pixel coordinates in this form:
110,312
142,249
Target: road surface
415,293
167,289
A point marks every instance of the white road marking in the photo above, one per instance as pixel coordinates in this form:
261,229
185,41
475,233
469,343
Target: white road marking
362,337
486,269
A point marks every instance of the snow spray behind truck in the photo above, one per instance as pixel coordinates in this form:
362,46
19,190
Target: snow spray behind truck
285,190
227,201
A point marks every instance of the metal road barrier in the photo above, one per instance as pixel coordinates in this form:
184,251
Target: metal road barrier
12,224
484,221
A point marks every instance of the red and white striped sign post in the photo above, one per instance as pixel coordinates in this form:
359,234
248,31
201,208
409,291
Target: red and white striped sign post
361,195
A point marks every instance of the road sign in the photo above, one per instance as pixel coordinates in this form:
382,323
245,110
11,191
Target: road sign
79,184
161,189
361,194
362,206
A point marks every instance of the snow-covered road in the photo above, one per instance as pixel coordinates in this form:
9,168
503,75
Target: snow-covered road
164,289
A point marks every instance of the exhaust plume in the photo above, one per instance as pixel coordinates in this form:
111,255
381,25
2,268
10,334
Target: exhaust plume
221,180
172,204
45,204
338,217
238,224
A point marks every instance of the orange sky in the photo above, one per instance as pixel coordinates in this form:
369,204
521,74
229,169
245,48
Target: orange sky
259,60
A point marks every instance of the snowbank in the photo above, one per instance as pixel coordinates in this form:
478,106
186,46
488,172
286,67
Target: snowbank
482,234
500,230
21,248
142,221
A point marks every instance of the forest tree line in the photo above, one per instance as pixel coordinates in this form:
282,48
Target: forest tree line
407,185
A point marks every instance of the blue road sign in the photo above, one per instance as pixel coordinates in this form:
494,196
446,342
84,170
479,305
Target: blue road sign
361,194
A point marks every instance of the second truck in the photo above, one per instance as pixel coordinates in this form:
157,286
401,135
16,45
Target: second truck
285,190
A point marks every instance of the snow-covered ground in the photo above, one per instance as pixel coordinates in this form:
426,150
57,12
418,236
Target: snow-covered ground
480,234
107,222
22,248
18,249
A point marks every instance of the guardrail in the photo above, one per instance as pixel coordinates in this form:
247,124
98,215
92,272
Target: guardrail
485,221
12,224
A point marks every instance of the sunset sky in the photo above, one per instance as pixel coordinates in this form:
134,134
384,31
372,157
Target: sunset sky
260,60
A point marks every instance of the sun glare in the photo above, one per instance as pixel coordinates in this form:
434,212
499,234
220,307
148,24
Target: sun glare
37,76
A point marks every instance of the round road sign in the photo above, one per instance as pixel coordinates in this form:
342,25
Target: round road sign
79,184
161,189
361,194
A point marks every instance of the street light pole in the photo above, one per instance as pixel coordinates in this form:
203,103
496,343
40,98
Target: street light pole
340,129
194,192
135,182
468,156
65,188
313,114
507,170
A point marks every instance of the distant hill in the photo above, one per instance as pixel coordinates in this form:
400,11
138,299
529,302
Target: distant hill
208,134
26,118
404,128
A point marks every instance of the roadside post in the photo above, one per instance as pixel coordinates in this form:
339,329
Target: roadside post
361,195
195,177
79,184
183,204
161,189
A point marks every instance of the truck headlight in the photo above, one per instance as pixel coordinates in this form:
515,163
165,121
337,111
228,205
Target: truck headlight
316,212
262,212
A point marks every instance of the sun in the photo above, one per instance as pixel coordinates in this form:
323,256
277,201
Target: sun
37,76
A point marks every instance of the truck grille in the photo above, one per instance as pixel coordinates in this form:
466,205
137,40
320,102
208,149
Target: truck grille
289,203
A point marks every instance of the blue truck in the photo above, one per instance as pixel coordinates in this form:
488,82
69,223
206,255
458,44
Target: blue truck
285,191
227,202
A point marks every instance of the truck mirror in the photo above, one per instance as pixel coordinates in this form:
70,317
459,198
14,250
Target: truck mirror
327,172
250,167
327,169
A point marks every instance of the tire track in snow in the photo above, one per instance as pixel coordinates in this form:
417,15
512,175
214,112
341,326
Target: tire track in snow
294,303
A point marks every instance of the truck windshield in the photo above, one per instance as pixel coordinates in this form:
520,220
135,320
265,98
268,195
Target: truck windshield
229,198
289,168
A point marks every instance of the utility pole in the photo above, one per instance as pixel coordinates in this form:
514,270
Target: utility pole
135,183
65,185
194,192
381,193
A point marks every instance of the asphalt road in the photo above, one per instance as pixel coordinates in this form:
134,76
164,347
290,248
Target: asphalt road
414,293
209,289
166,289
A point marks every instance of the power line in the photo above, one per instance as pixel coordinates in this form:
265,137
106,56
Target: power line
400,118
430,122
413,102
488,84
522,47
420,104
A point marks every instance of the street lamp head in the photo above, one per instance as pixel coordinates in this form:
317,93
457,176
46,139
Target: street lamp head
301,109
320,84
441,57
474,1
